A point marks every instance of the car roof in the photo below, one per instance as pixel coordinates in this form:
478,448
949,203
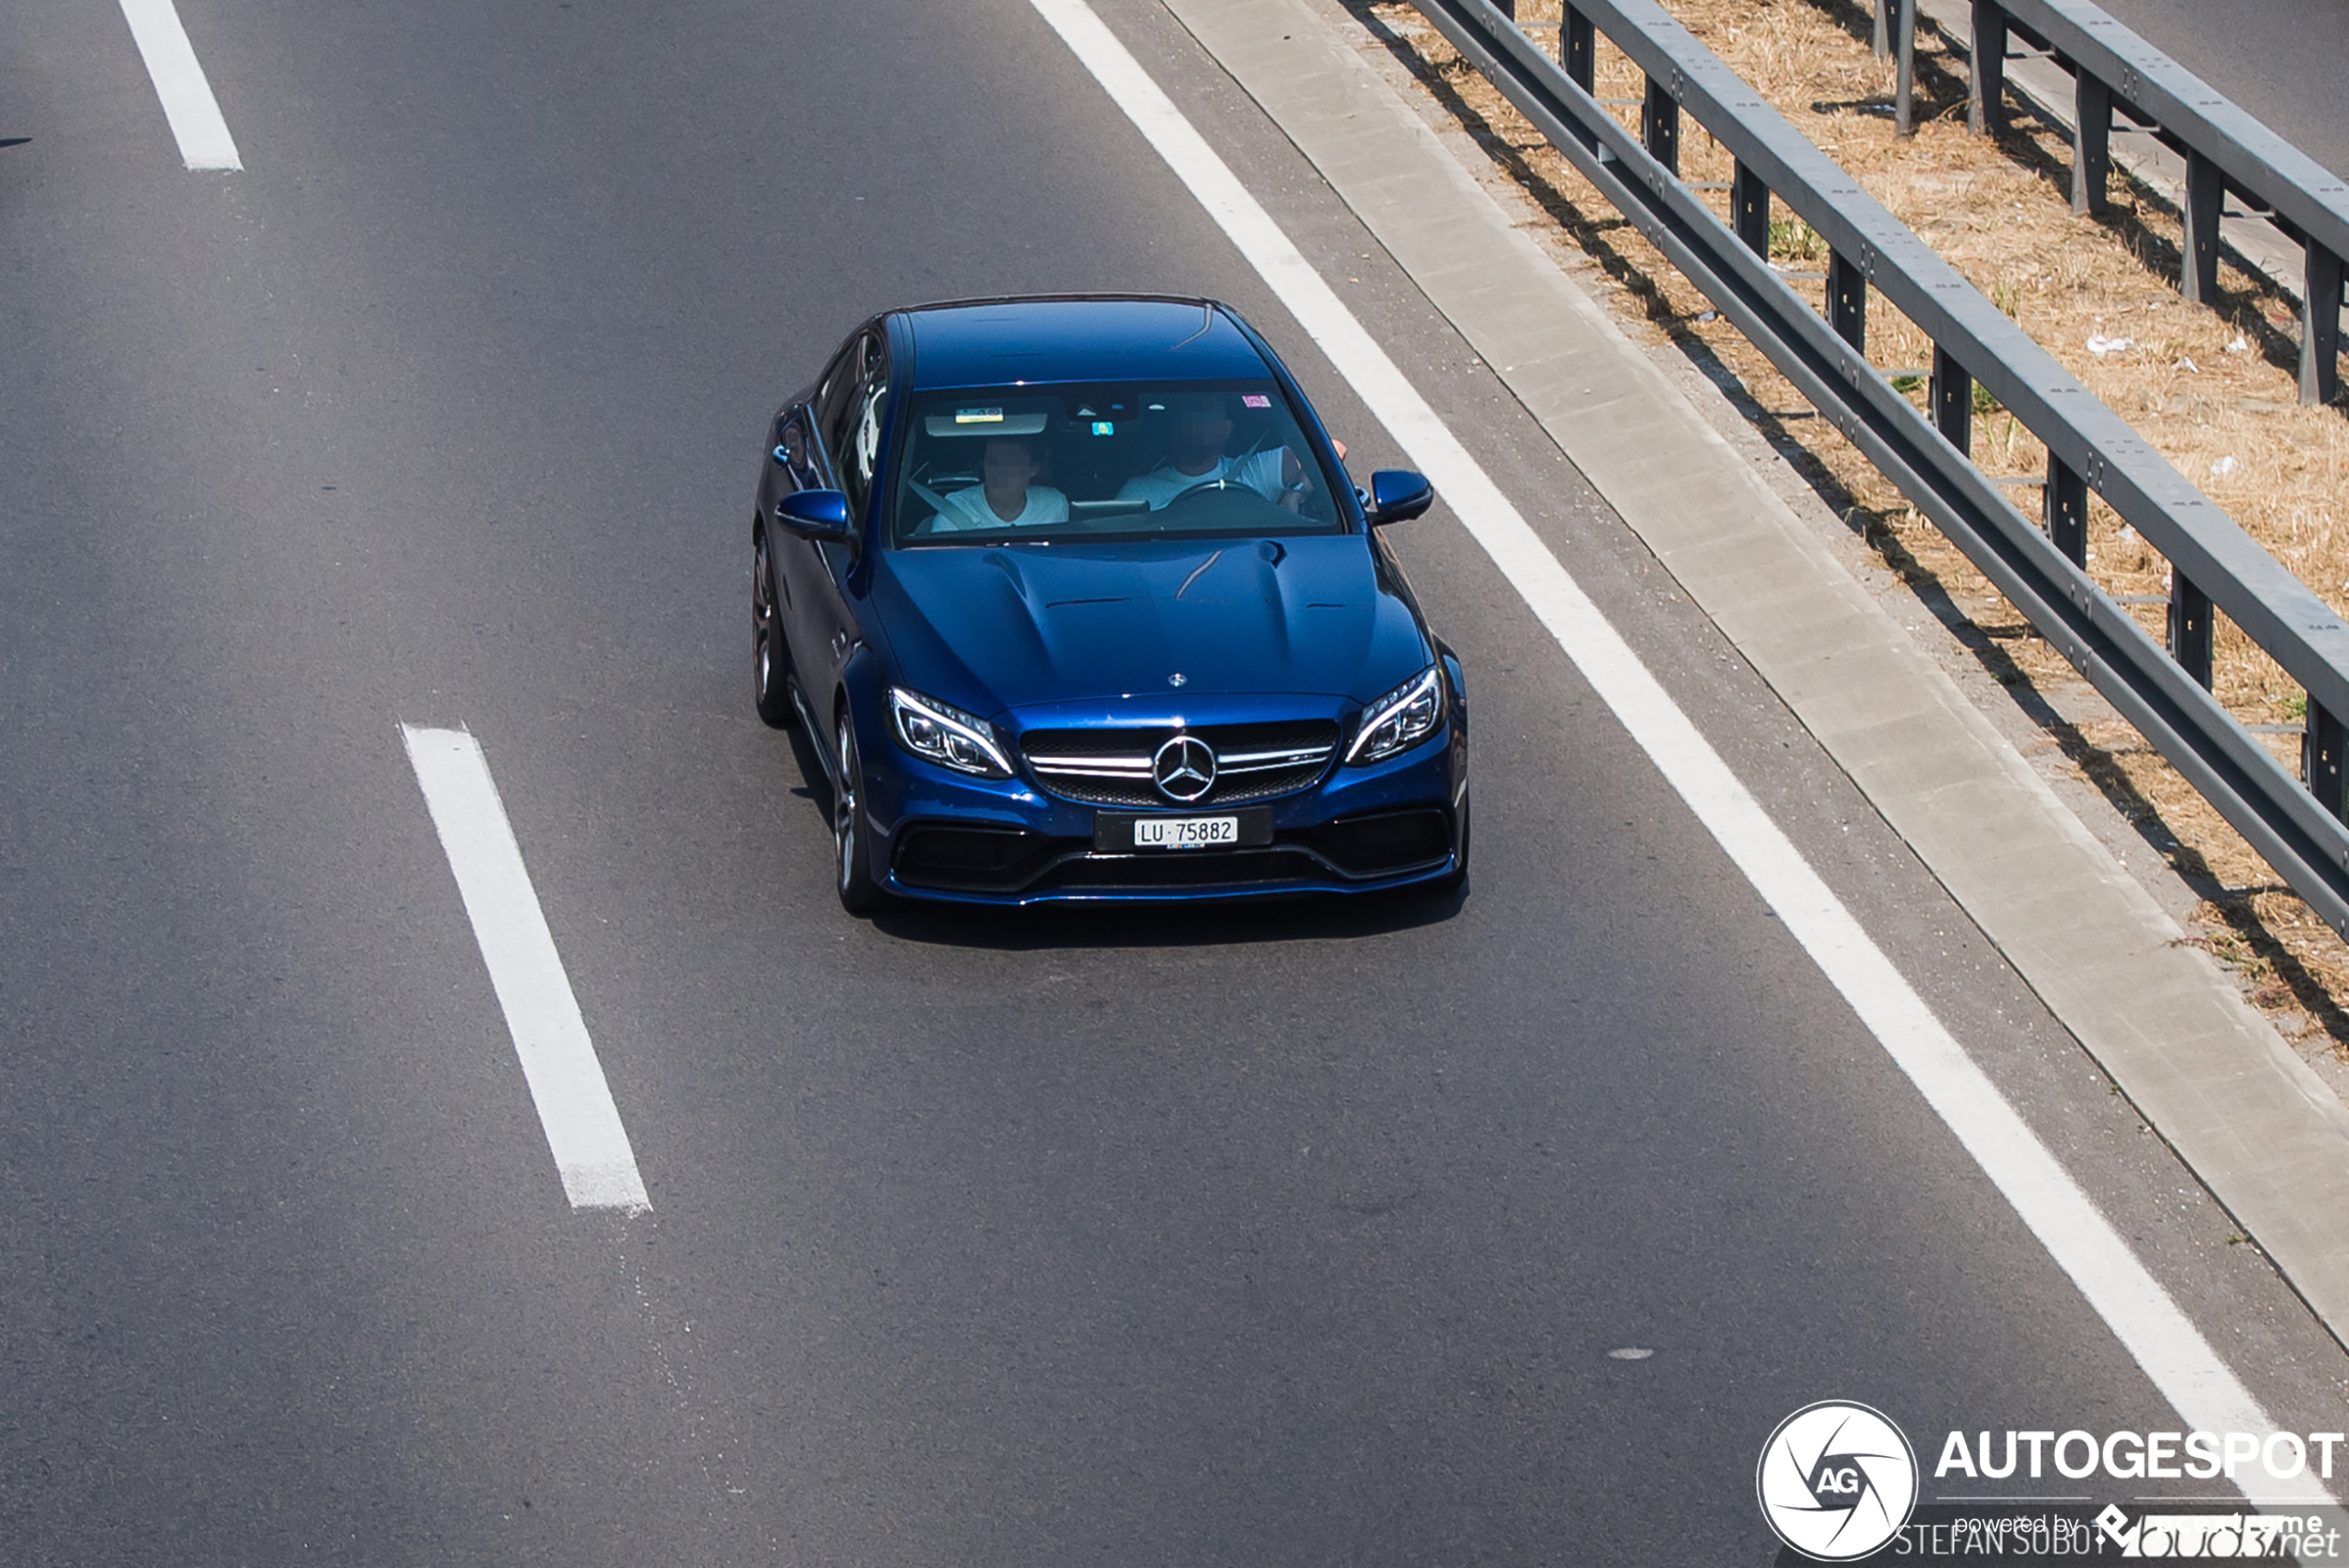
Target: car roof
1078,338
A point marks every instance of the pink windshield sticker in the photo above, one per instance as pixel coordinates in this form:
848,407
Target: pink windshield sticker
1256,400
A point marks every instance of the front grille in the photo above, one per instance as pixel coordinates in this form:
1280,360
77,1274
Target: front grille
1112,766
1232,790
1117,792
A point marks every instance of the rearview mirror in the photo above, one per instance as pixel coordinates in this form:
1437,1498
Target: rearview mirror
814,514
1397,496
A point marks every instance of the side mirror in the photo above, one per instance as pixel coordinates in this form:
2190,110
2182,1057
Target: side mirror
1397,496
814,514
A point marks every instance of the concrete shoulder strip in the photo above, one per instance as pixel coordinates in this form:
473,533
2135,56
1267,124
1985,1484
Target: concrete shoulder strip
2251,1118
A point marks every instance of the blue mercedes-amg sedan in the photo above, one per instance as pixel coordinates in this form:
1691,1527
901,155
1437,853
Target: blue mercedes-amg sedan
1076,601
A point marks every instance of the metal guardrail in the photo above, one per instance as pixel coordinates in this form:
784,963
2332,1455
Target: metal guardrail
2164,692
2226,150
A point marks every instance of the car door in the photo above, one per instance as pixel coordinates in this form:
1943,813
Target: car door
851,410
794,463
805,570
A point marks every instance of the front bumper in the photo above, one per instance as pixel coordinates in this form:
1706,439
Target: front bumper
938,835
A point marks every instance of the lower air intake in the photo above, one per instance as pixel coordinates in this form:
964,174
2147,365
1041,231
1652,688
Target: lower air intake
1385,842
976,860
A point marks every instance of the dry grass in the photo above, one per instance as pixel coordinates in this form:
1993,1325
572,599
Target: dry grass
2214,391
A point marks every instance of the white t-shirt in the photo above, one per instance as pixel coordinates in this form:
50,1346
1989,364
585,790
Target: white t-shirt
1260,471
968,510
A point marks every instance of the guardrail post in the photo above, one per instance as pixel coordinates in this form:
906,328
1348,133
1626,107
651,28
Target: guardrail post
1904,115
1660,126
2320,326
2198,252
2189,632
1750,209
2321,745
1578,49
2091,143
1847,301
2067,511
1986,110
1950,396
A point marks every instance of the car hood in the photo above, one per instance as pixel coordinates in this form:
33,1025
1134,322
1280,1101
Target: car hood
995,628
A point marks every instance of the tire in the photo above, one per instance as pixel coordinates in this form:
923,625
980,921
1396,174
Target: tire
769,655
852,865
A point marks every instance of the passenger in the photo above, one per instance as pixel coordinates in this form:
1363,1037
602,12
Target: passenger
1195,457
1007,495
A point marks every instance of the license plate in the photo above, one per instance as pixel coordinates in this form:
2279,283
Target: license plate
1118,832
1185,832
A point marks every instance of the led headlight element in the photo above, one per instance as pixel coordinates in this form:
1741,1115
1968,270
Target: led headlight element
939,732
1401,719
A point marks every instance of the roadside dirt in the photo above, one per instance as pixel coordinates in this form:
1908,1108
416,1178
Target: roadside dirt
2214,391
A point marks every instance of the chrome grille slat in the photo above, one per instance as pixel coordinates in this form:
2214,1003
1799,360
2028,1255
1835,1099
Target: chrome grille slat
1259,761
1094,767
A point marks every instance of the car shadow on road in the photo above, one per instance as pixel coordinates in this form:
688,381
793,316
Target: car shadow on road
1204,923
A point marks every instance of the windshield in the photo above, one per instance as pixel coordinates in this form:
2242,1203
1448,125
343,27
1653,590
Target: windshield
1191,458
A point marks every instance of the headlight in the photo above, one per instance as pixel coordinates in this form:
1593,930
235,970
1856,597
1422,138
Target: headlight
1401,719
946,735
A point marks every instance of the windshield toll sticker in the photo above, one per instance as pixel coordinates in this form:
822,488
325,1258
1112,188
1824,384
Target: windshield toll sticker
1255,401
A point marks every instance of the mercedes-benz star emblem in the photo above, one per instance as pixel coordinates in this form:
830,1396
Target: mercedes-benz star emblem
1185,768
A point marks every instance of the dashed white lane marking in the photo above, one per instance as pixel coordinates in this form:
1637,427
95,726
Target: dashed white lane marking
566,1081
179,81
2148,1323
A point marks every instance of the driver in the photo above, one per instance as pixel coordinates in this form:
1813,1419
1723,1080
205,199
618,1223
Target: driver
1007,495
1195,457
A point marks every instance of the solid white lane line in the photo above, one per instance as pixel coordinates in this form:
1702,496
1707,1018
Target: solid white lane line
574,1103
2148,1323
179,81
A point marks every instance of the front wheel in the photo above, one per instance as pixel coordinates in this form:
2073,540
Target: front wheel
859,894
770,659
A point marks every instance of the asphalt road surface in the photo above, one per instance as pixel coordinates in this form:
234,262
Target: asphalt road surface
2284,60
1300,1234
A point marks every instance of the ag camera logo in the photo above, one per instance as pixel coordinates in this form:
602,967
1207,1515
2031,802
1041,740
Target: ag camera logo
1837,1480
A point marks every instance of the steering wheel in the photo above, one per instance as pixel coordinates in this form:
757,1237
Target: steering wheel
1218,482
